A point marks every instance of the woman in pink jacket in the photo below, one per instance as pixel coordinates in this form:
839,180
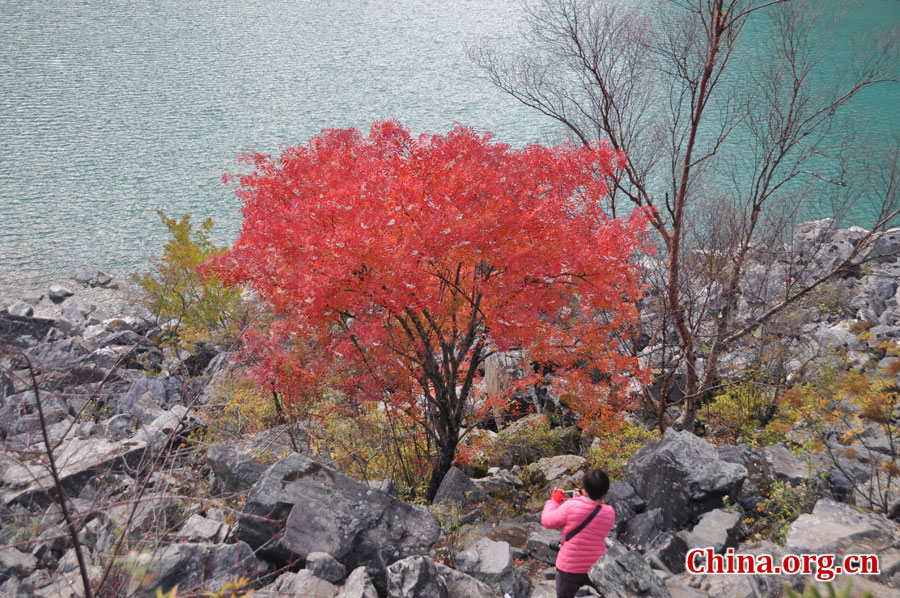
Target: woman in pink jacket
580,550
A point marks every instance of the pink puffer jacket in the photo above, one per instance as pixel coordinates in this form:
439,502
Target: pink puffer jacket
579,555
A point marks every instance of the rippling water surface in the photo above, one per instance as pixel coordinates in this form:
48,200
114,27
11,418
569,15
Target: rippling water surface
112,110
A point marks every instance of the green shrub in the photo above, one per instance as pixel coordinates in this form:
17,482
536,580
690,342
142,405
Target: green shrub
782,505
200,308
741,411
612,450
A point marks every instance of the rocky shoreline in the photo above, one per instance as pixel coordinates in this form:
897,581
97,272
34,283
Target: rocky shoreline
125,417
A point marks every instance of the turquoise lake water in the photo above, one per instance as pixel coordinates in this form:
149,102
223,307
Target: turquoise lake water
110,111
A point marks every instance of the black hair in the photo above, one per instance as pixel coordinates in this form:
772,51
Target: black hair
596,483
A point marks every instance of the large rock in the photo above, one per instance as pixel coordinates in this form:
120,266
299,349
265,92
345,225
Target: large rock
543,544
644,528
299,507
92,277
787,467
358,585
833,527
415,577
198,528
622,573
323,565
20,309
625,502
58,293
683,476
15,563
492,563
460,585
77,460
303,583
550,469
545,589
718,530
239,465
194,567
456,488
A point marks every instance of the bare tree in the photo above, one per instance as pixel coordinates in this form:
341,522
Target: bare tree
673,92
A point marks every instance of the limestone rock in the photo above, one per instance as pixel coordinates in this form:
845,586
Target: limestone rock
460,585
550,469
415,577
492,563
644,528
202,566
625,502
58,293
15,563
456,488
32,297
325,566
358,585
299,507
198,528
543,544
20,309
302,583
683,476
785,466
621,573
76,459
833,527
718,530
545,589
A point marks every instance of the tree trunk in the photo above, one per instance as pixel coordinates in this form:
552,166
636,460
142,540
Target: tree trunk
443,465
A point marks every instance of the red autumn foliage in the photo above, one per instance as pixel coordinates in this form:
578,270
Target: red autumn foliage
410,260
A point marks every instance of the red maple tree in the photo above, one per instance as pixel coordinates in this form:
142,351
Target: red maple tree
410,260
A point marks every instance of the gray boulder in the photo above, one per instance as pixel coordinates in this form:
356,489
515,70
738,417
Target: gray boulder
543,544
194,567
545,589
833,527
15,563
622,573
644,528
77,460
20,309
299,507
667,551
717,529
683,476
456,488
302,583
550,469
239,465
460,585
92,277
358,585
198,528
58,293
165,427
502,485
625,502
415,577
32,297
786,467
325,566
839,337
492,563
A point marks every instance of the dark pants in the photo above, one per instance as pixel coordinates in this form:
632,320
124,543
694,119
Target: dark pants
569,583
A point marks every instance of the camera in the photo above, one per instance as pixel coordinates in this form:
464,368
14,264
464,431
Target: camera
572,493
